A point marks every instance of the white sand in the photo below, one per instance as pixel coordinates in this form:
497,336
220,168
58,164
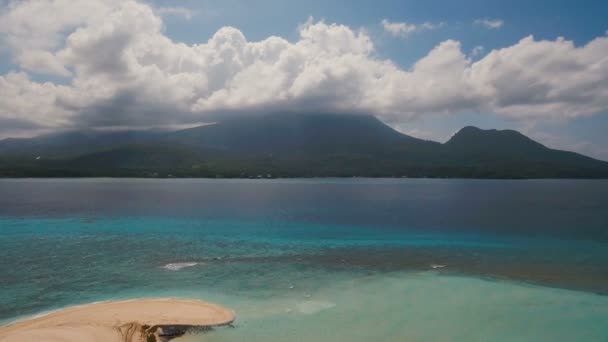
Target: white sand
115,321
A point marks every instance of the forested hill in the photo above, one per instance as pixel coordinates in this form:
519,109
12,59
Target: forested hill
290,145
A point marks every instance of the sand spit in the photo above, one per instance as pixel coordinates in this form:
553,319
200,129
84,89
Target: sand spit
143,320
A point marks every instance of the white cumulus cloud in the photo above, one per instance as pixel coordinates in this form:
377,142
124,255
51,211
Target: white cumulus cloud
478,50
403,29
122,70
183,12
491,24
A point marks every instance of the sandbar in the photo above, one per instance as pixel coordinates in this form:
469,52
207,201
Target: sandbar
120,321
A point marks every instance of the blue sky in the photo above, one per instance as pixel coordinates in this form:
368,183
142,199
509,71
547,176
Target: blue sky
580,21
195,22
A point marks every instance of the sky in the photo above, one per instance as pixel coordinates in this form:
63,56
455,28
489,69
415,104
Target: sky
427,68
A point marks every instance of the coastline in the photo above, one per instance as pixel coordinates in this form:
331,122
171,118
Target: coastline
296,177
129,321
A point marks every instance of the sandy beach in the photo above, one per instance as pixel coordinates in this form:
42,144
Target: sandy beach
124,321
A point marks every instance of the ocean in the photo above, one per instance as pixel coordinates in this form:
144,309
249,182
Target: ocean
319,259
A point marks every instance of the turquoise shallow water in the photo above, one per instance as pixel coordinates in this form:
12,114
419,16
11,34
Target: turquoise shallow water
326,260
418,307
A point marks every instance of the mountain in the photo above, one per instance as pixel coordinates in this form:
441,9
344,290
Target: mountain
297,134
72,144
473,140
508,151
292,145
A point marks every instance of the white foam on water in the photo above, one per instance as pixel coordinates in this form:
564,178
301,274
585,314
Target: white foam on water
311,307
436,266
176,266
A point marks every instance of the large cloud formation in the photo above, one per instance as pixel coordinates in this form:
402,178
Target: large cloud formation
120,69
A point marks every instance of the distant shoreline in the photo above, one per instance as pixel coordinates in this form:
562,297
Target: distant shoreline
303,177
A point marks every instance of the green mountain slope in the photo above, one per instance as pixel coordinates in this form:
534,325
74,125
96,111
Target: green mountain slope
290,145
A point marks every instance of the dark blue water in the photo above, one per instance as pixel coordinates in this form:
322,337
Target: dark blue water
546,207
311,247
